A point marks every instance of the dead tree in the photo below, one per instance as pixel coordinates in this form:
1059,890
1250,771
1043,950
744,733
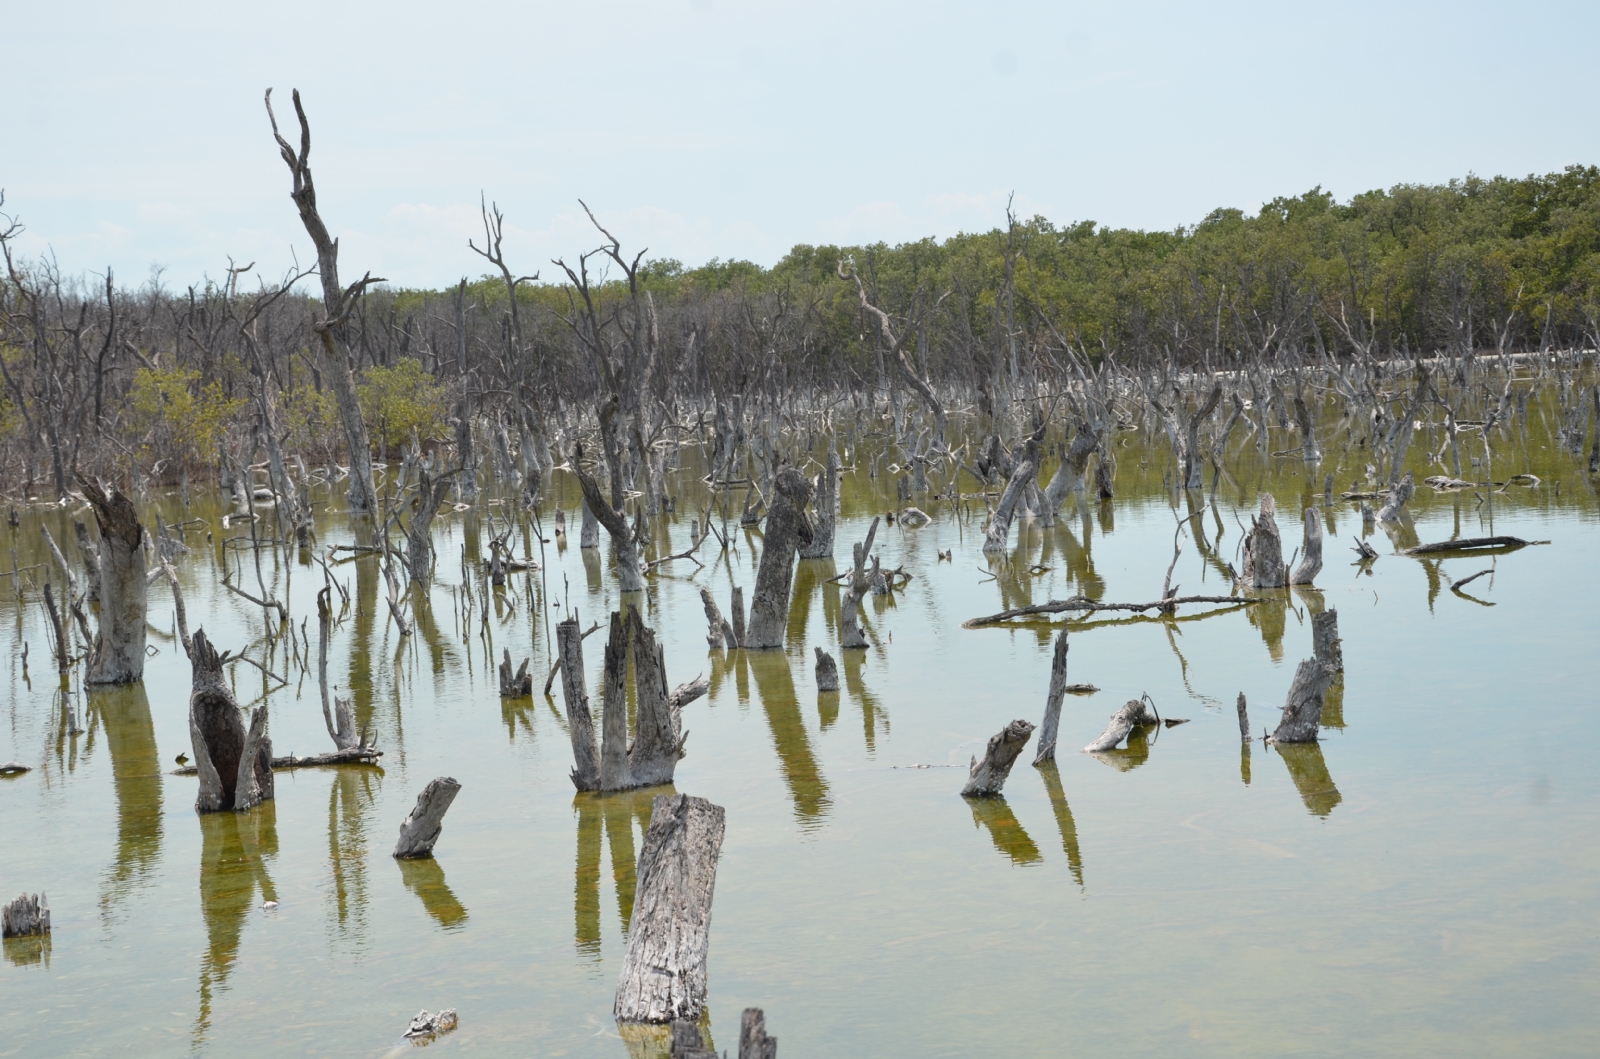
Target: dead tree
91,561
419,534
580,725
850,634
117,656
664,968
1302,710
420,829
820,546
1325,641
518,685
895,347
338,304
987,777
720,631
1186,438
1311,552
1263,549
1069,476
234,762
827,671
1052,703
1244,720
1399,494
623,545
651,757
999,531
340,719
26,917
787,528
1134,713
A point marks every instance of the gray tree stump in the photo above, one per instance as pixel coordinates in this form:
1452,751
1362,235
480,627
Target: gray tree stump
1302,710
615,774
340,719
1311,552
580,725
736,607
419,534
988,777
1134,712
1399,494
753,1040
1069,476
827,671
518,685
1052,702
117,656
91,561
664,968
1244,720
850,634
719,631
1263,549
25,917
998,533
1325,641
234,762
657,742
420,830
787,528
820,546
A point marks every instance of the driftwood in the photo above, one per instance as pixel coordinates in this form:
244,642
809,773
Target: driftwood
1365,552
14,768
664,968
518,685
25,917
359,755
1302,710
580,725
234,763
826,500
1133,714
117,656
827,671
420,829
1263,549
987,777
428,1025
1470,544
1311,552
1058,606
1325,640
1052,703
787,529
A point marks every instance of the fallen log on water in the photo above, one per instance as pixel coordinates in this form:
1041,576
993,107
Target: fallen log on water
1058,606
664,968
357,755
1471,544
1134,713
986,778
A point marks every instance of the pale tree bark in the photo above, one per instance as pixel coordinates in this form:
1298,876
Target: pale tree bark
117,656
1311,553
340,719
988,777
25,917
787,528
998,534
419,534
1133,714
623,546
1052,704
338,304
1302,710
421,827
580,724
1263,549
820,546
1069,476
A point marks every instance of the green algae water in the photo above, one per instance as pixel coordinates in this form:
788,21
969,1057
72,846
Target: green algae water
1421,882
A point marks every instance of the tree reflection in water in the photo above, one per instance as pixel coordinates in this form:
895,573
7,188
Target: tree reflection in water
807,786
1064,821
424,876
615,814
1005,830
1310,774
136,780
234,851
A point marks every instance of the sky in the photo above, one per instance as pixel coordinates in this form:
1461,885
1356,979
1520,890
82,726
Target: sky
134,135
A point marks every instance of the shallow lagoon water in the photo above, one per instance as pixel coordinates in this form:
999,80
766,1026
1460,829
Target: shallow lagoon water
1422,883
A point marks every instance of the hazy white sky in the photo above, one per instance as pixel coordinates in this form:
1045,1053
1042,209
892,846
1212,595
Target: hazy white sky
134,134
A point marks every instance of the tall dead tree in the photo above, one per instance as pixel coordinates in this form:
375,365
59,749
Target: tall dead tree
338,306
117,656
787,529
895,347
998,533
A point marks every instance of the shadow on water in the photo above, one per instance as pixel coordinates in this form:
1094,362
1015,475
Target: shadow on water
234,851
1005,830
424,877
136,779
775,684
1309,772
1064,821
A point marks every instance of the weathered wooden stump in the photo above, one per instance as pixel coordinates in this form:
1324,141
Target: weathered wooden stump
1244,720
518,685
420,829
753,1040
826,499
234,762
580,724
1311,551
1133,713
1302,710
827,671
1325,643
26,917
988,777
1399,495
664,968
1263,549
1052,703
117,656
998,532
787,529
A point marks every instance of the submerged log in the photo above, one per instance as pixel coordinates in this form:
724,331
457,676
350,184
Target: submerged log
1302,710
1263,548
827,671
664,968
420,829
987,777
27,916
1052,703
787,529
234,762
1133,714
117,656
1311,552
1058,606
1468,544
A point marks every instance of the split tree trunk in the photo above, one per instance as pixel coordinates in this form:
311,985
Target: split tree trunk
1263,549
234,762
998,533
1302,710
664,968
420,830
850,634
657,742
820,546
987,777
787,528
518,685
1052,703
117,656
1311,554
720,632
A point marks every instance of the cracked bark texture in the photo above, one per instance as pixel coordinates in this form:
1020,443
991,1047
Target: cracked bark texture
787,528
117,655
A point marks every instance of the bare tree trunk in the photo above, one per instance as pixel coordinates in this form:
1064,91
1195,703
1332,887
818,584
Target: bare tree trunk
1052,703
720,632
26,917
91,562
999,532
1310,451
1325,640
1263,549
664,968
623,546
419,534
820,546
118,653
1069,475
234,763
569,645
1311,554
420,829
1399,494
736,606
589,532
850,634
753,1040
827,671
340,720
987,777
518,684
1302,710
657,741
787,528
614,772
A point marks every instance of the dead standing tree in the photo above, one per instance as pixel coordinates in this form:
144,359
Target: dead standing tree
895,347
118,653
787,529
339,304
